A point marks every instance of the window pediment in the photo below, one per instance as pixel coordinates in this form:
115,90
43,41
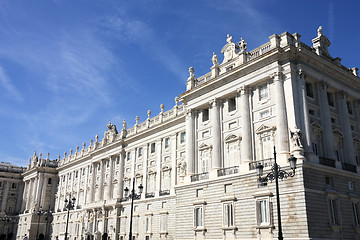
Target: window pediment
204,146
263,129
232,138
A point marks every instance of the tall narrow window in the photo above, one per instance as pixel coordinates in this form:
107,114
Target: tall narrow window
163,223
334,211
231,104
139,152
167,143
182,137
263,211
330,98
152,147
198,217
228,216
355,207
309,90
205,114
263,92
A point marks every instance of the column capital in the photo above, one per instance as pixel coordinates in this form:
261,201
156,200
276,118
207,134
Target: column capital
301,74
276,76
324,85
213,102
343,95
243,90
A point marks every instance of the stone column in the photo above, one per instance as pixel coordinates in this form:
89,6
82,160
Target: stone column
304,111
110,176
145,162
190,141
173,146
346,129
158,167
21,190
35,192
216,135
101,181
120,175
78,187
282,135
5,196
246,148
92,183
328,136
85,185
25,197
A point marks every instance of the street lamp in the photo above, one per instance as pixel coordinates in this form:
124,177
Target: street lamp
276,174
132,196
69,205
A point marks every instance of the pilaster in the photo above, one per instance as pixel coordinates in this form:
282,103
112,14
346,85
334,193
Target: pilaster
282,135
190,141
246,148
328,136
346,128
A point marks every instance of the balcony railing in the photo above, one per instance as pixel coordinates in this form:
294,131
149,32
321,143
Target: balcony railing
150,195
164,192
200,176
228,171
349,167
327,162
265,162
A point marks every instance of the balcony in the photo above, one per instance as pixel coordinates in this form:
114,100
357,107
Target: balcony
349,167
265,162
199,176
164,192
150,195
327,162
228,171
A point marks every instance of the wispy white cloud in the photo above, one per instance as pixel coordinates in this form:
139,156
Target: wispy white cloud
10,89
143,35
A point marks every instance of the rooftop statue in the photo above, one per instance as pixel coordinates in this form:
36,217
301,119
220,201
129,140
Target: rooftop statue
112,128
229,39
215,59
124,124
319,31
243,45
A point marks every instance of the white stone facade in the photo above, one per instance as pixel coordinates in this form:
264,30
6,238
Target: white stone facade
197,160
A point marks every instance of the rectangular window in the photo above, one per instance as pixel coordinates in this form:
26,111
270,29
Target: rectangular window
329,181
163,223
49,181
231,104
139,152
356,212
13,186
0,184
147,225
315,148
152,148
128,156
198,217
182,137
330,98
263,92
349,106
351,185
263,212
264,114
309,90
167,143
228,215
199,192
205,115
228,188
334,211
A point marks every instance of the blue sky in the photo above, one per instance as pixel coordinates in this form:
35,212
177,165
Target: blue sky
68,67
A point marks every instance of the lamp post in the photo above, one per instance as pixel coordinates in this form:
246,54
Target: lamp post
69,205
276,174
132,196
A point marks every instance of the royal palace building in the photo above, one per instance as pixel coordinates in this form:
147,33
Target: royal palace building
198,161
